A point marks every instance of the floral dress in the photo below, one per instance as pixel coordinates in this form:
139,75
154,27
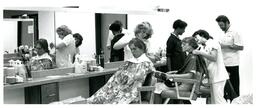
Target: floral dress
122,86
41,62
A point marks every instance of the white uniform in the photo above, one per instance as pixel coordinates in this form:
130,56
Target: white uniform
64,55
217,73
231,56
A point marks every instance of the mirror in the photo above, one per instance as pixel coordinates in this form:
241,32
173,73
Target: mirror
161,29
103,21
78,22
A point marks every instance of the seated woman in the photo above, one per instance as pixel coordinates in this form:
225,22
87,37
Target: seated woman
121,88
188,70
42,60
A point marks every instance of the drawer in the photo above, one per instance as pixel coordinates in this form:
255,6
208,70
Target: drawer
48,89
49,93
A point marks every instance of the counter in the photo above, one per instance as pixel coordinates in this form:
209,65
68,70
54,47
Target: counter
59,78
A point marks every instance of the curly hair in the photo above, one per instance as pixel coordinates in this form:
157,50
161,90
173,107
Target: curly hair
191,41
144,27
138,43
64,30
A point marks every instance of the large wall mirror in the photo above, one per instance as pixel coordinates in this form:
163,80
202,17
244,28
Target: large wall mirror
93,26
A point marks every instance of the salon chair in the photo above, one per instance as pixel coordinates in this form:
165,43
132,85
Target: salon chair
146,92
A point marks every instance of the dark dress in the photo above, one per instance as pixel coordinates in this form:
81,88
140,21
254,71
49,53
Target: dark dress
175,53
116,55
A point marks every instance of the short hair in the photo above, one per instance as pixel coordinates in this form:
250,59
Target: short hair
179,24
64,29
44,44
139,44
79,37
144,27
116,26
203,34
191,41
223,18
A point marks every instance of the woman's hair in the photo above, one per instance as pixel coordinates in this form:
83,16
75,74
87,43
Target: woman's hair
116,26
64,30
203,34
78,37
179,24
44,44
139,44
191,41
222,18
144,27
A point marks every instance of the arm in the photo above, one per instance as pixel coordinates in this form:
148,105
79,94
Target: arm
110,37
186,75
123,42
212,56
234,47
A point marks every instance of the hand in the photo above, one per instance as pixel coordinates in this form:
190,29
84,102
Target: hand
169,76
196,52
51,45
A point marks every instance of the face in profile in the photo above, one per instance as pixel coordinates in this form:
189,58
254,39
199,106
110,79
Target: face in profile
181,30
222,26
200,40
136,52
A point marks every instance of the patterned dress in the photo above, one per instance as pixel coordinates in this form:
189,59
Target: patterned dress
41,62
122,86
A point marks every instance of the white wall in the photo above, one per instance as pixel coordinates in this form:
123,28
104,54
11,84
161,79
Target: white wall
83,23
46,25
201,14
9,36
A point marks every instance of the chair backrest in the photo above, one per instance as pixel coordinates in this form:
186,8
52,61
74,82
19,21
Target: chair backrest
201,71
149,81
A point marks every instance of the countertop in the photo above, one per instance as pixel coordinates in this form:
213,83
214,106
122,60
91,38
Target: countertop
59,78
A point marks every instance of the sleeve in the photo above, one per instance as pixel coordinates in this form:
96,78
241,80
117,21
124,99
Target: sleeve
213,45
110,37
169,47
68,39
124,40
237,39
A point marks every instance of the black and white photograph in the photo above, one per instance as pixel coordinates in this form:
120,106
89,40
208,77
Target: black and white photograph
138,52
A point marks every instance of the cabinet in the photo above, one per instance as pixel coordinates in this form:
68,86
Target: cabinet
42,94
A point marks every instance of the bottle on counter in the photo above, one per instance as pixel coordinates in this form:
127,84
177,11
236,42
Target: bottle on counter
101,59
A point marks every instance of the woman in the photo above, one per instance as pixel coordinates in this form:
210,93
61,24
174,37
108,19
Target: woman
142,31
218,75
122,86
188,70
78,42
65,49
42,60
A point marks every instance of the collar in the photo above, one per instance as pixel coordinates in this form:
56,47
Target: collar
43,56
142,58
175,35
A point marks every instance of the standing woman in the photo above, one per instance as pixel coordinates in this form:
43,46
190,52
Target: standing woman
65,49
143,31
218,75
